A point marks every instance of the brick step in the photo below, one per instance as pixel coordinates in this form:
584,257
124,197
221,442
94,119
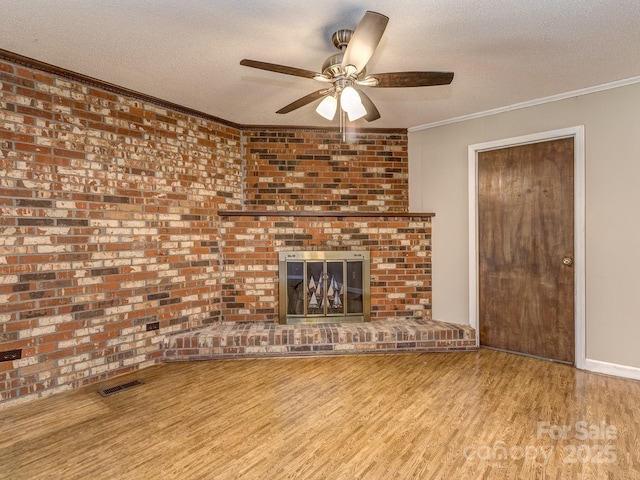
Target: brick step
262,339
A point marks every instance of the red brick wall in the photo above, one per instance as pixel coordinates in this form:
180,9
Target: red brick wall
108,223
316,170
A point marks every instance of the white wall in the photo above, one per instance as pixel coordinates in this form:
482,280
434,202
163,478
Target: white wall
438,183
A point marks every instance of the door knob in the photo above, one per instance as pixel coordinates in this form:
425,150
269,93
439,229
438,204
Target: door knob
568,261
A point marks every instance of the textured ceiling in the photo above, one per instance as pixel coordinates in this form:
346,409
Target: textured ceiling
503,52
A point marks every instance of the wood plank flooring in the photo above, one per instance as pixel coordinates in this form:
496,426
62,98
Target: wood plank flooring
471,415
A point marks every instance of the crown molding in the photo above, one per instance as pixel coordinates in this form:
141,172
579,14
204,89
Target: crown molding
529,103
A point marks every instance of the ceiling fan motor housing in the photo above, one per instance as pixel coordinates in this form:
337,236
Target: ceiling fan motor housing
332,66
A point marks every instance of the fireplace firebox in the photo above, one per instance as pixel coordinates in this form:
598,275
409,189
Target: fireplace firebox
324,287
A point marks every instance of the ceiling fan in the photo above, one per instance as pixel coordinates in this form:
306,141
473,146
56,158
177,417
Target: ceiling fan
346,73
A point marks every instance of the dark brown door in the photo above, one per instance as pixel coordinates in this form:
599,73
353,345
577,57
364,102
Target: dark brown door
525,234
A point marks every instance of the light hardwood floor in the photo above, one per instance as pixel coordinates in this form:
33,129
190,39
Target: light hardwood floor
472,415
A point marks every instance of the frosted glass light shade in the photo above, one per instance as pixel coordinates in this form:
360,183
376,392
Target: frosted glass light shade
327,107
349,99
356,112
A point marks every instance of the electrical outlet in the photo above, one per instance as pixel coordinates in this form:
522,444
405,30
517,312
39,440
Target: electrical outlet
153,326
10,355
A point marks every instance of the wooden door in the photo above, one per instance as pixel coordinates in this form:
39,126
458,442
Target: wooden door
525,234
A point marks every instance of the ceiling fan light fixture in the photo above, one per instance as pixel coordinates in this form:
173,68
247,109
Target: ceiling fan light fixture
356,112
351,103
348,69
327,107
349,99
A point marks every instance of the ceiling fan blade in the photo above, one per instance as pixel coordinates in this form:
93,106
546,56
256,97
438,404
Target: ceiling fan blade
364,41
273,67
372,111
412,79
301,102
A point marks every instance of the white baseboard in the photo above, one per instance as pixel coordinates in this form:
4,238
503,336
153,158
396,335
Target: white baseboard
616,370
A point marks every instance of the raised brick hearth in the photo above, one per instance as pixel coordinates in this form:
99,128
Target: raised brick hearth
260,339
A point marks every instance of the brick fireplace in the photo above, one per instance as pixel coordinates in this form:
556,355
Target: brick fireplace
399,246
307,190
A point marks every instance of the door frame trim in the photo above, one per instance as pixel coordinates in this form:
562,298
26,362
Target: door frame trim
579,195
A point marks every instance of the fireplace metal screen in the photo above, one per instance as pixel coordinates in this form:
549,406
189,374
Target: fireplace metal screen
324,287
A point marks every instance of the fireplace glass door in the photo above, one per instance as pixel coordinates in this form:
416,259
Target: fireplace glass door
324,287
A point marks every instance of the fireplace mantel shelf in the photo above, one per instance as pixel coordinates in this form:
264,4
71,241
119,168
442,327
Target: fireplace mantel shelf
311,213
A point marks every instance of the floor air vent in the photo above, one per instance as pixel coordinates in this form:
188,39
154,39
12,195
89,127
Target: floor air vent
105,392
